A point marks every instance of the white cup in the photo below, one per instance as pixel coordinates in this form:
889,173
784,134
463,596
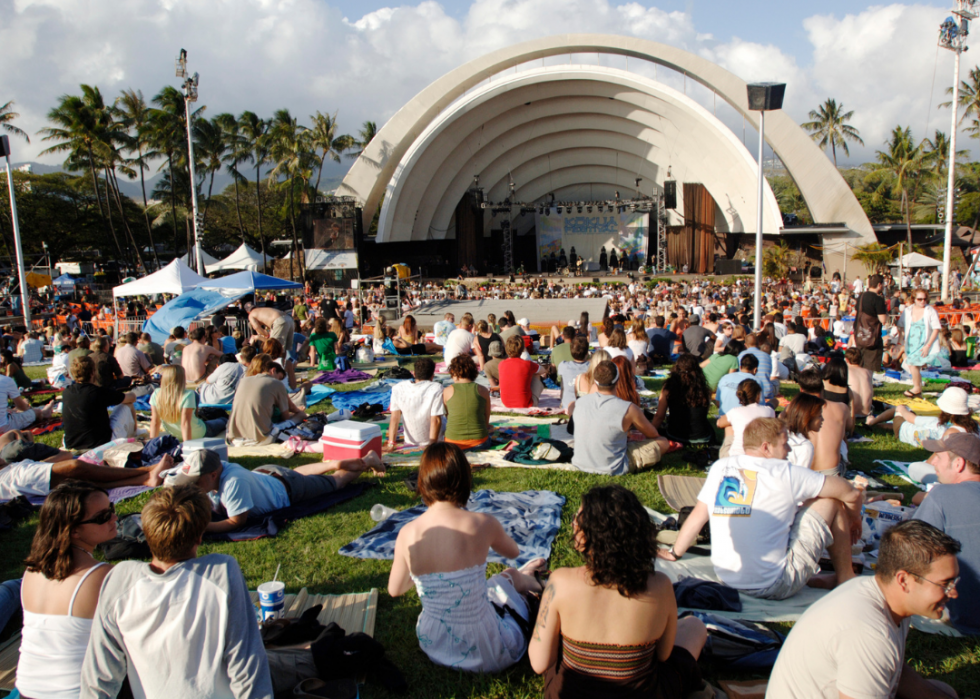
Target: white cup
379,513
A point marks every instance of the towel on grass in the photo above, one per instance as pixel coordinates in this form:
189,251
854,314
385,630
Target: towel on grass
531,518
349,376
550,400
270,524
919,406
349,400
318,393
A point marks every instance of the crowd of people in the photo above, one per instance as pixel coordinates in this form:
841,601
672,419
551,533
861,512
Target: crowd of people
775,497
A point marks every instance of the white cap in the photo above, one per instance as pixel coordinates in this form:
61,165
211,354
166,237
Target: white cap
196,464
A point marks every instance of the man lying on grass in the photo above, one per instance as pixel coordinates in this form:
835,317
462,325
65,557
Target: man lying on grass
241,492
29,477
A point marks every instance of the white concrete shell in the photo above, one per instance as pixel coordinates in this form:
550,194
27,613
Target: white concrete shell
555,128
828,197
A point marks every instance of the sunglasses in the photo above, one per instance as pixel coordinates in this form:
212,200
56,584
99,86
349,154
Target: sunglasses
103,517
921,299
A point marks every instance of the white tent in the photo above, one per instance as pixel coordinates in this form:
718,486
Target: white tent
208,259
915,259
243,258
175,278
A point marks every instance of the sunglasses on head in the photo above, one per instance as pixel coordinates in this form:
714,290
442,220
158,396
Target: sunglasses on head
103,516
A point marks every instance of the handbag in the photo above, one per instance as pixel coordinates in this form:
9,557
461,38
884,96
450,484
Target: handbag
867,329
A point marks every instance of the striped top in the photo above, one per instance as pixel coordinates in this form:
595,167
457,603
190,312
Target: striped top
608,661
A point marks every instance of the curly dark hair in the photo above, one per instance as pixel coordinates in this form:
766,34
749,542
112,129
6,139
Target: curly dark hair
462,367
687,379
619,540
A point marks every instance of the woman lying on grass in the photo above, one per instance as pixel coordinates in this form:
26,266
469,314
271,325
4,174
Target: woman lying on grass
609,629
444,553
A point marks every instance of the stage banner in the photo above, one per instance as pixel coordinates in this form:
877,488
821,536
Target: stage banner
626,233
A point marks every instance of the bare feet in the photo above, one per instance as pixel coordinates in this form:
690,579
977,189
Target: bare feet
153,478
374,464
524,579
45,412
538,565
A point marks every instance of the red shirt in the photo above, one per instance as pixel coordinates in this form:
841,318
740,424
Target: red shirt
515,382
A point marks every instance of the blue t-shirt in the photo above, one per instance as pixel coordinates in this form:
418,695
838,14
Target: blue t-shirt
441,330
240,491
661,341
228,345
955,509
727,386
764,371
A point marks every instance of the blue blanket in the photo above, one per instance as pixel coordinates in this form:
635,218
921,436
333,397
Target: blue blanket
318,393
351,399
531,518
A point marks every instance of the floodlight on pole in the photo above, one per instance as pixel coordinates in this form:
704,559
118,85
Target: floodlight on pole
762,97
190,96
952,36
25,294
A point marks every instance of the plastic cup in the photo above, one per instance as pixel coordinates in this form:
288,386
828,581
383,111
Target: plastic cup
272,598
379,513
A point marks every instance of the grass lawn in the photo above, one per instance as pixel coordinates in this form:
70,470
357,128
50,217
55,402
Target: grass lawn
307,550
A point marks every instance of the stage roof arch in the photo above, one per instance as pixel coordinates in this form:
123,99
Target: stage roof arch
827,195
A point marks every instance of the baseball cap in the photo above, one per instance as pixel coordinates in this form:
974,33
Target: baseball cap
953,401
962,444
496,349
523,321
196,464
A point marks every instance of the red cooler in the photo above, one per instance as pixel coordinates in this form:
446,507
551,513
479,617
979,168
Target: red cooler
347,439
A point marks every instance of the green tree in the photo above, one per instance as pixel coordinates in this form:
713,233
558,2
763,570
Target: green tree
210,148
289,149
369,130
255,132
969,99
874,256
134,116
325,142
236,152
829,125
7,116
777,260
902,169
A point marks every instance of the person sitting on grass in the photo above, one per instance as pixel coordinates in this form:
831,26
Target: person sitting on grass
954,416
467,622
734,422
261,402
763,544
178,626
239,492
198,358
219,388
520,379
492,368
419,403
11,366
722,363
684,403
610,628
23,416
407,339
602,424
467,406
322,346
84,409
173,408
851,643
562,352
585,382
829,442
570,369
60,589
726,395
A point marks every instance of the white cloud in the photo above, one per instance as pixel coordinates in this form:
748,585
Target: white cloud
305,55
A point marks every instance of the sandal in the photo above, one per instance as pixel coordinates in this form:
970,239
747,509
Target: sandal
910,394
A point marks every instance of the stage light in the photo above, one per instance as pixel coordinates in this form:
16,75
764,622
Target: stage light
559,209
589,209
580,209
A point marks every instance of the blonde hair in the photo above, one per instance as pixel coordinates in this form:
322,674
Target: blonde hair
762,430
172,385
260,364
380,328
174,520
598,356
336,328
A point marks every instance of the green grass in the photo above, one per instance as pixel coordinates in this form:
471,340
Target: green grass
307,550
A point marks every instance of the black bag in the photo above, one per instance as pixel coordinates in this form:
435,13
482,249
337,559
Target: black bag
704,536
867,328
130,542
13,511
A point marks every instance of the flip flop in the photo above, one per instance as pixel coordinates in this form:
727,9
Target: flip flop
909,394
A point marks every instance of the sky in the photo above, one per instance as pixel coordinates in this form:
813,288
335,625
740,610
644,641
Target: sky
364,59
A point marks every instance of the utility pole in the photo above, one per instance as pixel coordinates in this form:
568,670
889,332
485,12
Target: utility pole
25,293
190,96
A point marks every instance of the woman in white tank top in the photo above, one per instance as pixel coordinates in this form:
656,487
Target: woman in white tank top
61,588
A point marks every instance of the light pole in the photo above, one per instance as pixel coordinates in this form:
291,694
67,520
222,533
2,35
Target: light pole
190,96
953,37
25,294
763,97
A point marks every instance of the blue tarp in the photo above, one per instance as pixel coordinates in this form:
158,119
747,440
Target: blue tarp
186,308
248,281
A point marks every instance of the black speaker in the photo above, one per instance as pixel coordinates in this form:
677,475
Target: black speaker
595,280
4,146
728,267
766,96
670,194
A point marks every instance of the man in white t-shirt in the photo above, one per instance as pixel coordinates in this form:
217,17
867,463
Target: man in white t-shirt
763,544
851,643
24,415
460,340
420,404
442,328
858,285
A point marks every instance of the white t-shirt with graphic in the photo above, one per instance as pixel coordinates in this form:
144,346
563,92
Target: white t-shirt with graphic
752,503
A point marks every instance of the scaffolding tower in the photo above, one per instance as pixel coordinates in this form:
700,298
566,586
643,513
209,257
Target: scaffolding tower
661,235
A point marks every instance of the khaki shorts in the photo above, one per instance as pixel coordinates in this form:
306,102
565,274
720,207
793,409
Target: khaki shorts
808,538
642,454
282,329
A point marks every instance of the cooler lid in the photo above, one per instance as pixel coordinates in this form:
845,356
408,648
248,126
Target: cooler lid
352,431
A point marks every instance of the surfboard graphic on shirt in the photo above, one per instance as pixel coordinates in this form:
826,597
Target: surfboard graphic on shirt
736,493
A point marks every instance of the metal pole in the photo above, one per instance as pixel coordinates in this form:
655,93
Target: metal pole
757,306
25,294
199,258
951,184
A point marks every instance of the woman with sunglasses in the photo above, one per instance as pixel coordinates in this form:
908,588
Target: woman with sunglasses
920,325
61,588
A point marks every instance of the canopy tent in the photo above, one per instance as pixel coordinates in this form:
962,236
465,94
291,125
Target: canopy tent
65,281
186,308
208,259
243,258
37,280
247,282
175,278
915,259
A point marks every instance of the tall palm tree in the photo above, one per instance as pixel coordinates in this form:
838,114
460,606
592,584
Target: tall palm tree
7,116
209,152
236,153
830,125
324,140
255,141
134,116
969,96
290,150
902,169
369,130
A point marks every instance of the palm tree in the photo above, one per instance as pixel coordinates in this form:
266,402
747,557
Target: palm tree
369,130
874,256
829,126
7,116
969,96
236,153
134,115
255,141
324,140
901,169
290,151
210,148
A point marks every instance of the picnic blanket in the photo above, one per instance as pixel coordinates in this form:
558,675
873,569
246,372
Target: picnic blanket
275,450
41,391
349,376
919,406
532,518
318,393
550,402
917,473
44,426
352,612
270,524
349,400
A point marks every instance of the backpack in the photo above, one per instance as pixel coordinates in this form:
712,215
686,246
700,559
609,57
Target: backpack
738,644
867,328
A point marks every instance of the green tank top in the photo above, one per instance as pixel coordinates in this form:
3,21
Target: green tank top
466,413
